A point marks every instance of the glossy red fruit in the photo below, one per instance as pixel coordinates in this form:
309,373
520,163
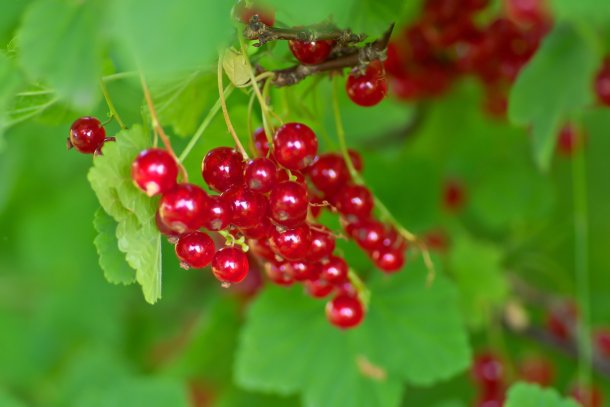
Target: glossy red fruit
369,234
288,203
87,135
260,175
261,144
536,370
389,260
356,160
303,270
318,288
354,201
218,214
278,273
154,171
345,311
295,146
334,270
602,83
164,229
591,397
291,244
454,196
487,370
230,265
561,320
311,52
262,249
527,11
261,230
195,250
369,88
569,140
328,173
184,208
322,244
222,168
393,240
491,397
265,13
601,339
248,208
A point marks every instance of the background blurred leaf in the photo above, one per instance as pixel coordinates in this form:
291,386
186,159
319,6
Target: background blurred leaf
112,261
530,395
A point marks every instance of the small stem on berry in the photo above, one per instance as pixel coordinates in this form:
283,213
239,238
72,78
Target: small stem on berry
225,111
113,112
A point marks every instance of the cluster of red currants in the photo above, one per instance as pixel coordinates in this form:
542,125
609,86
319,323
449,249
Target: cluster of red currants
489,375
87,135
446,42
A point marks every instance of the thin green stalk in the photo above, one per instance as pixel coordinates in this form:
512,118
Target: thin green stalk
111,107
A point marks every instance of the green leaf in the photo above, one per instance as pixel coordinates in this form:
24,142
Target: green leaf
112,261
6,400
234,397
134,212
531,395
288,346
10,80
61,44
590,10
477,269
9,18
555,85
163,38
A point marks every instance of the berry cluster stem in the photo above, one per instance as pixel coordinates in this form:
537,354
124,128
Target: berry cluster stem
225,111
113,112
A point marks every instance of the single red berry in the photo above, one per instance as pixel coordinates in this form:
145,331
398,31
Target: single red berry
218,214
437,240
591,397
261,144
369,234
265,14
261,230
291,244
454,195
184,208
303,270
345,311
318,288
322,244
195,250
230,265
389,260
164,229
491,397
262,249
354,201
279,273
260,175
393,240
569,140
295,146
334,270
311,52
154,171
288,203
527,11
601,338
222,168
87,135
602,83
561,320
487,370
369,88
356,160
536,370
248,207
328,173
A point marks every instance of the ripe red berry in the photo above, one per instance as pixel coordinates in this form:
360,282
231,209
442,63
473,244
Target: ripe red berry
356,160
601,338
334,270
261,144
311,52
328,173
295,146
261,230
222,168
264,13
318,288
195,250
369,88
453,195
354,201
591,397
279,273
87,135
218,214
389,260
569,140
369,234
536,370
487,370
491,397
288,203
602,83
291,244
230,265
322,244
303,270
248,207
183,208
527,11
561,320
164,229
154,171
262,249
260,175
345,311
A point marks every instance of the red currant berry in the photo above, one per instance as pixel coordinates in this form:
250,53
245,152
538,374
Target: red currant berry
288,203
345,311
261,144
279,273
369,234
248,207
222,168
356,160
311,52
491,397
328,173
218,214
183,208
292,244
260,175
303,270
334,270
259,231
154,171
569,140
453,195
322,244
195,250
601,338
437,240
295,146
591,397
265,14
561,320
164,229
318,288
602,83
87,135
354,201
393,240
230,265
536,370
369,88
261,248
389,260
526,11
487,370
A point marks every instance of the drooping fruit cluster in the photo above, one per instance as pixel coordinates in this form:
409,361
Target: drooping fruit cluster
87,135
488,373
448,42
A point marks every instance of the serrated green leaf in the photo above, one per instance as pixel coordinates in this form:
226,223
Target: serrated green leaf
111,259
275,354
61,44
553,86
531,395
134,212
